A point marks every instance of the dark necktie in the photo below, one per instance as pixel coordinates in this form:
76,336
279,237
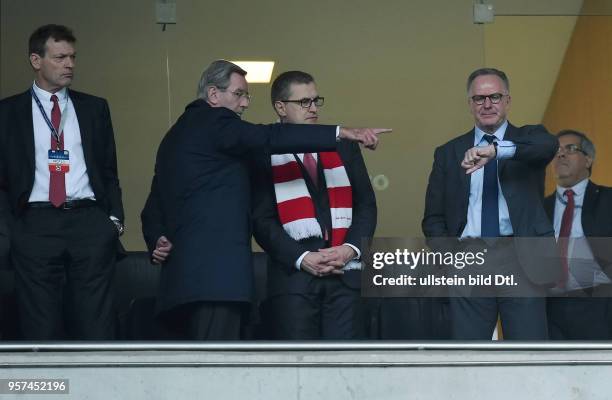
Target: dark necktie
57,181
565,232
490,207
311,167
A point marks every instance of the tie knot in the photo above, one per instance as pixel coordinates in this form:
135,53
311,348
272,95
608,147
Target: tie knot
569,193
489,138
54,98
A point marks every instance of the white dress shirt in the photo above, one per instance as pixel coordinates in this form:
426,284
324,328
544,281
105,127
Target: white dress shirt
505,150
77,180
584,271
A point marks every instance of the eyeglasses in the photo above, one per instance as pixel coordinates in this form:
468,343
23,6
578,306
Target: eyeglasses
570,149
306,102
239,93
495,98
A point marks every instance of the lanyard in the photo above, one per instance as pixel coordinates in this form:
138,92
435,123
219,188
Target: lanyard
54,132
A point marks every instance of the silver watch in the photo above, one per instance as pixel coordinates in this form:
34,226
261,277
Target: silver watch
119,225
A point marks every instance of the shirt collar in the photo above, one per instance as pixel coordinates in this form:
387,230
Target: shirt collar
45,96
578,188
499,133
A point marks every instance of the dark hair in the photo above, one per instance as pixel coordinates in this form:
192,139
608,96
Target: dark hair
218,74
282,84
585,143
488,71
38,39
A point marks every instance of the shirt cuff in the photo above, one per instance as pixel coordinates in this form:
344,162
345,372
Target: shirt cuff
358,256
298,263
113,218
505,149
338,133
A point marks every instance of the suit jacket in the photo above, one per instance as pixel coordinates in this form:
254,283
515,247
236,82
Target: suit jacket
200,200
522,183
596,222
283,276
17,165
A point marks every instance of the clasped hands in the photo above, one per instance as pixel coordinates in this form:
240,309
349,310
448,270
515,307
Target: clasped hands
328,261
162,250
476,157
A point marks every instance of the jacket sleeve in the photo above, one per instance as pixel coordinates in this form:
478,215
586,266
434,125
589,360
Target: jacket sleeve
267,229
434,218
237,137
109,169
535,145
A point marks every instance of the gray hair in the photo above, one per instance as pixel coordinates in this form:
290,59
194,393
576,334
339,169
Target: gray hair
585,143
488,71
218,75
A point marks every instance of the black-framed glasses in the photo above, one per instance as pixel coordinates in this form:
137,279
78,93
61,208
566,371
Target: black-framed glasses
495,98
571,149
239,93
307,102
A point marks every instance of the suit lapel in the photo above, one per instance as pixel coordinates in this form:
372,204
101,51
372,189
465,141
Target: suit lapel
549,206
85,121
464,143
314,190
588,208
510,134
25,130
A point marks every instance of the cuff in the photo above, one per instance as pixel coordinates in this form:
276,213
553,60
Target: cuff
298,263
357,251
505,149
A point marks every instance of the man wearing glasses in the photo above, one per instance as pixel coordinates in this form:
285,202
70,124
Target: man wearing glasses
311,213
197,218
485,185
580,308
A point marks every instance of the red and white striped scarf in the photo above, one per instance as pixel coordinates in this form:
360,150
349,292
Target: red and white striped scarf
295,207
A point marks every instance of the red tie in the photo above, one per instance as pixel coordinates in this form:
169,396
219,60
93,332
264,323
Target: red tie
311,166
57,182
564,233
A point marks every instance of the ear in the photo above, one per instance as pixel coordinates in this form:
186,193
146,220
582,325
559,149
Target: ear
280,109
35,60
589,161
509,100
213,94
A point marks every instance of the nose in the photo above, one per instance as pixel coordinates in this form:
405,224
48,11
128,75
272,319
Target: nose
244,102
69,62
313,107
561,152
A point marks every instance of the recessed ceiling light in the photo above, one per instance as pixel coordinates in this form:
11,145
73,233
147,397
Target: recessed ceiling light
257,71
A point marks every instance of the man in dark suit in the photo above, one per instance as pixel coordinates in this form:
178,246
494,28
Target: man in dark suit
197,218
311,213
480,206
579,307
59,180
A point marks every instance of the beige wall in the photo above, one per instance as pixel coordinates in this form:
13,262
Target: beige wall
530,50
397,63
582,96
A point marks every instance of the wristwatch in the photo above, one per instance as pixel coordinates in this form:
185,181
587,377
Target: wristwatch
120,227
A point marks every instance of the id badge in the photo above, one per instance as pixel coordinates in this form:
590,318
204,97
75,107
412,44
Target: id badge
59,161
